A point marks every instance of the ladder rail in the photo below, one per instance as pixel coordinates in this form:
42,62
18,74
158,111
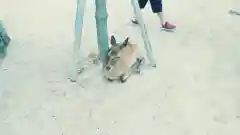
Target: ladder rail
75,67
144,34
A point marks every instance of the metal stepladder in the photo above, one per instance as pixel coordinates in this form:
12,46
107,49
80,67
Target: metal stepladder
101,16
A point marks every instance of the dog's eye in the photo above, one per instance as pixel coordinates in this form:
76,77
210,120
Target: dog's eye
114,60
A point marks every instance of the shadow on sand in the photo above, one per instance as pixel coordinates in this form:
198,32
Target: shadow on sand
1,60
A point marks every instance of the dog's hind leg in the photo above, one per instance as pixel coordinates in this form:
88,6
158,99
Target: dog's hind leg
140,62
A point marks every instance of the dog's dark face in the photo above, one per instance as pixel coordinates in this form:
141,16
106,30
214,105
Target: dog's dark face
114,53
117,47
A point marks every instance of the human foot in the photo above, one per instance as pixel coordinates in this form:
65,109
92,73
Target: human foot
168,26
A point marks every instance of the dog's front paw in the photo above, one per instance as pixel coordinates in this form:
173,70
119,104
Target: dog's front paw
123,78
140,62
110,80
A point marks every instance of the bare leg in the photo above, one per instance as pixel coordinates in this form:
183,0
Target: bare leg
160,15
165,24
156,8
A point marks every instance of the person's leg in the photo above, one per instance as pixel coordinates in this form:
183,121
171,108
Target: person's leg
142,4
156,6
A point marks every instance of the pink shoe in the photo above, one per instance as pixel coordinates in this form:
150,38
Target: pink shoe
168,26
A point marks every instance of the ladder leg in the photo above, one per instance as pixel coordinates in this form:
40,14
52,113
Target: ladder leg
144,33
101,16
235,10
81,5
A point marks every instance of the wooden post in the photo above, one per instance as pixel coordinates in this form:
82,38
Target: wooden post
144,34
101,16
81,5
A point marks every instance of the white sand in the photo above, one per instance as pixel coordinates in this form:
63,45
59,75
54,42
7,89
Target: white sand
194,90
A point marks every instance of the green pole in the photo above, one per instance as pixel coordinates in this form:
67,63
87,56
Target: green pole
81,4
144,33
101,16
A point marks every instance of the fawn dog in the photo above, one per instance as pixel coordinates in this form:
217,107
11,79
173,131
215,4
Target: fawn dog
121,59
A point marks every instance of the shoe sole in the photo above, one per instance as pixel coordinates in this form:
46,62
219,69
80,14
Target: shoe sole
168,30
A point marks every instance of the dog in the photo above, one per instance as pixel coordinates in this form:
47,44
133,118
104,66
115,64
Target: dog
121,59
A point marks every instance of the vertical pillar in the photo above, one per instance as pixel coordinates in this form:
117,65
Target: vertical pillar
101,16
144,34
81,5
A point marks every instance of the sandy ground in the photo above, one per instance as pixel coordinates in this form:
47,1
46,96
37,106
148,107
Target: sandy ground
194,90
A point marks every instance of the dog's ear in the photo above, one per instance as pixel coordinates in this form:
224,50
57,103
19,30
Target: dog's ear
126,41
113,40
